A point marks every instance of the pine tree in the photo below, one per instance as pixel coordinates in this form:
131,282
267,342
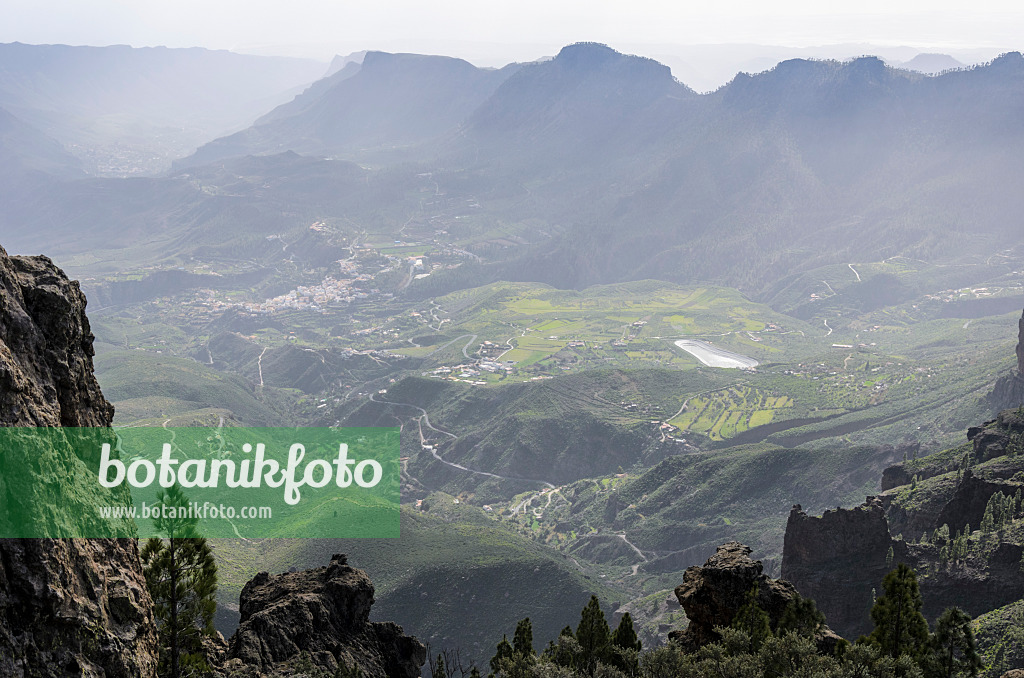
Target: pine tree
593,635
802,617
753,620
625,635
522,641
503,651
954,652
900,628
182,579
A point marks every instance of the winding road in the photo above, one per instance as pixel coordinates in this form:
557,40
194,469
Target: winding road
259,364
424,419
472,338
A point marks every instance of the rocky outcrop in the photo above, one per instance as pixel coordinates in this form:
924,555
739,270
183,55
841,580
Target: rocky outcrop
1020,345
1009,390
894,476
838,559
967,505
46,376
67,606
712,595
322,616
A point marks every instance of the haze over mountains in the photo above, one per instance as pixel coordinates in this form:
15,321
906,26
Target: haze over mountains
124,109
615,171
390,99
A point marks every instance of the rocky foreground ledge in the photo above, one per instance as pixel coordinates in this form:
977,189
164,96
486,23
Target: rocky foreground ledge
80,607
319,616
67,606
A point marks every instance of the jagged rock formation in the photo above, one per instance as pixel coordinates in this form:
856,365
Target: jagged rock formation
323,615
46,376
993,439
1009,390
967,505
73,606
1020,345
840,557
844,549
712,595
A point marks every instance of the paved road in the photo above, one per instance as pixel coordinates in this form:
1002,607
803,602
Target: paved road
424,420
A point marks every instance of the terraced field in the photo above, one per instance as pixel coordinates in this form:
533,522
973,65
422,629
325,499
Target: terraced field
722,414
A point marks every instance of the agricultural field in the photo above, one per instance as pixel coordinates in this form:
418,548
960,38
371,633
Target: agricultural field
722,414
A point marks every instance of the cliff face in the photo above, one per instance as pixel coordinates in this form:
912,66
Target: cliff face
837,559
322,614
1009,390
46,376
1020,346
67,606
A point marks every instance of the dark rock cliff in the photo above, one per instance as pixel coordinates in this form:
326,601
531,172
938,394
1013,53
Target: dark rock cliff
841,556
1009,390
67,606
712,595
323,615
1020,346
844,549
838,559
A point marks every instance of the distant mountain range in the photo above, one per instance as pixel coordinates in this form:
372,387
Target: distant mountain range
388,100
623,171
932,63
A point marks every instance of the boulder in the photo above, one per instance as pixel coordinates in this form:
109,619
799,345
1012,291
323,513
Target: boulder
320,616
712,595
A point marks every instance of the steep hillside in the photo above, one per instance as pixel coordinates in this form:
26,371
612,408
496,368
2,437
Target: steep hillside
26,150
390,100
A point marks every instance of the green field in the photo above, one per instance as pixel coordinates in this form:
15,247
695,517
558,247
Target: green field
723,414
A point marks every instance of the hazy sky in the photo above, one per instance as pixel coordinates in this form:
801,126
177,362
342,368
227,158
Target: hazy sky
324,27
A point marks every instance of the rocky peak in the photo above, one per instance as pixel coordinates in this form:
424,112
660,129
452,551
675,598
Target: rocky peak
46,372
322,614
1008,391
67,606
712,595
843,551
1020,346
